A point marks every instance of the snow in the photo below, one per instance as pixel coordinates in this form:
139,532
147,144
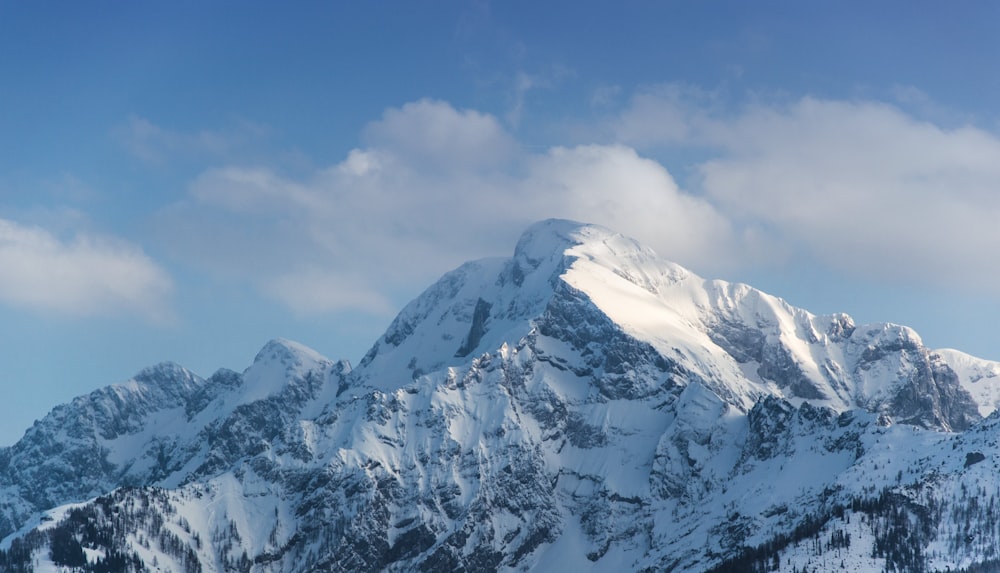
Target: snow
856,560
569,553
658,302
980,378
279,361
624,464
668,471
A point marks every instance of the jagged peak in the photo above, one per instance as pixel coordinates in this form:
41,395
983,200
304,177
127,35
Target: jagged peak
226,377
756,342
165,371
289,353
888,334
167,379
281,361
558,239
550,237
840,325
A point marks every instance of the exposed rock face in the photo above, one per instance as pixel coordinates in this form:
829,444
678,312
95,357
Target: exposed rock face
582,404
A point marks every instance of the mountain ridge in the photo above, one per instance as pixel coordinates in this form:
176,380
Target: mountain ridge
581,402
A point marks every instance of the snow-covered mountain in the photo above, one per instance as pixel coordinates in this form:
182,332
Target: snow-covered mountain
582,404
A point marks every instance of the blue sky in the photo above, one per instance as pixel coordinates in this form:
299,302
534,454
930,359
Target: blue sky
187,180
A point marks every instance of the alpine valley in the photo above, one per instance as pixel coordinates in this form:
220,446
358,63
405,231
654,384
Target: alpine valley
580,406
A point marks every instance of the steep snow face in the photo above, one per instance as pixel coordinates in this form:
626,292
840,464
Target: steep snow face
980,378
749,344
473,309
162,427
278,364
739,341
75,451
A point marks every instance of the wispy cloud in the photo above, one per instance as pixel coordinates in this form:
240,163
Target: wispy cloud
88,275
605,95
523,83
155,144
318,290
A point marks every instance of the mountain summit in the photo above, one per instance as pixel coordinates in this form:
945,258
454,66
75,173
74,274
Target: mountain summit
581,404
586,285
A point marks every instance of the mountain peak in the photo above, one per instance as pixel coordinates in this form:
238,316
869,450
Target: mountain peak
557,239
583,401
549,238
279,361
288,352
572,280
167,372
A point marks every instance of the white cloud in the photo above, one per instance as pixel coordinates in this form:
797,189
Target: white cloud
435,187
87,276
436,134
665,114
860,186
865,187
616,187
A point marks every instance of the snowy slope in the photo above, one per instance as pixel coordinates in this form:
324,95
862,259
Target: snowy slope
164,427
581,404
980,378
740,341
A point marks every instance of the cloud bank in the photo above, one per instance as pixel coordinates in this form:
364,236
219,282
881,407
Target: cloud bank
434,186
866,188
862,187
87,276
